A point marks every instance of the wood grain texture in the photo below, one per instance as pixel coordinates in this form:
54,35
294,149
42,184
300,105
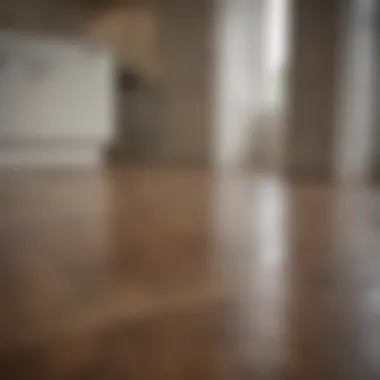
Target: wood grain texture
179,274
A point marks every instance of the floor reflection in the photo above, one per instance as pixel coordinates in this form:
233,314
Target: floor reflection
148,273
252,222
268,275
357,244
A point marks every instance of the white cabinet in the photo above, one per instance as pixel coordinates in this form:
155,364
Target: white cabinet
56,101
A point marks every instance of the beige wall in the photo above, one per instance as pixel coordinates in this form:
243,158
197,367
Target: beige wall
358,106
310,145
376,148
170,43
186,50
132,32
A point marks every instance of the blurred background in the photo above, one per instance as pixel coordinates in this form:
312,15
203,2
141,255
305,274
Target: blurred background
189,189
208,83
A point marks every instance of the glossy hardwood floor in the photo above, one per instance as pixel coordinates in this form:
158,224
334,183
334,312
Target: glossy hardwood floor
170,274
